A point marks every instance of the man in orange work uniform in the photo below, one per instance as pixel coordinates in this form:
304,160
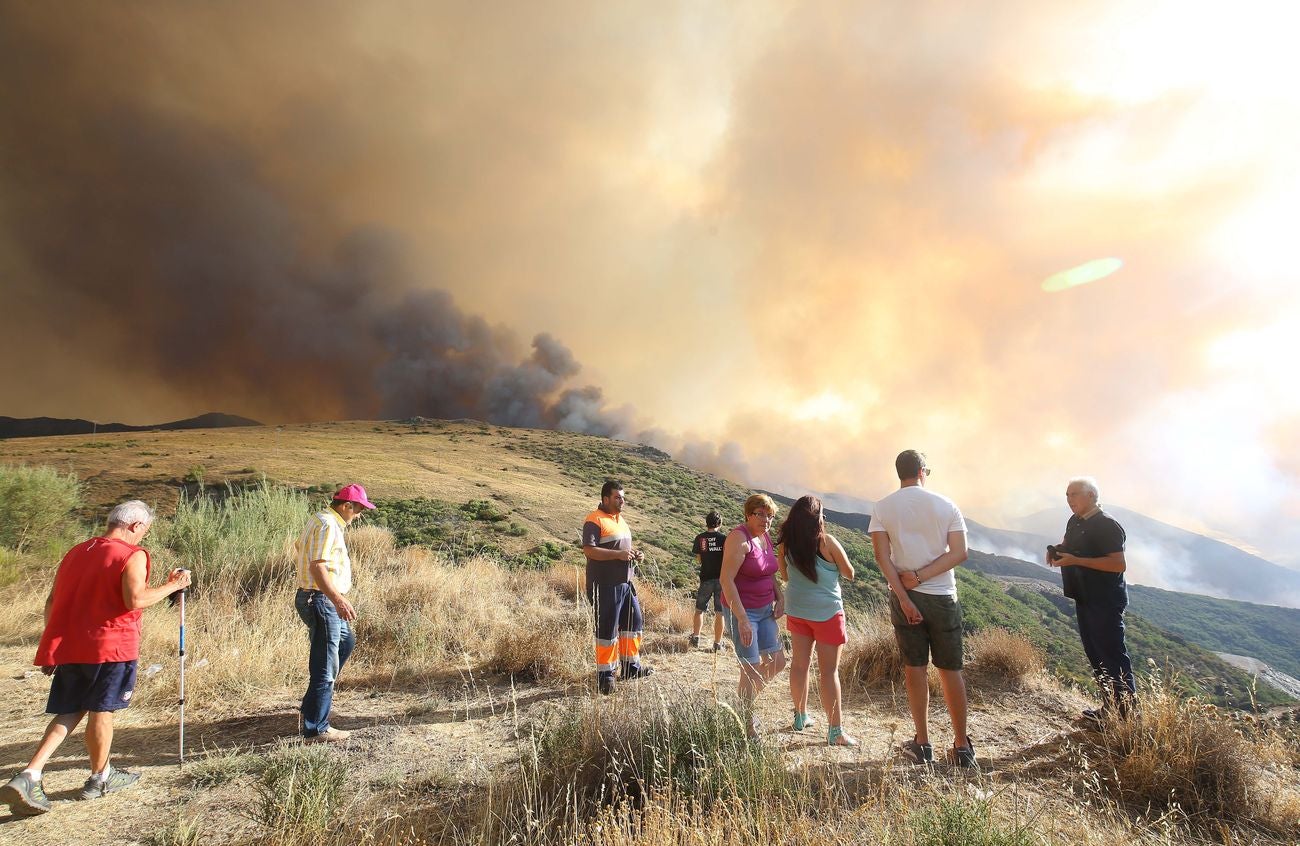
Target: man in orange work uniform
90,645
607,543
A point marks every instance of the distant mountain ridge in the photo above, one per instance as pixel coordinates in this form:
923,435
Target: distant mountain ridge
36,427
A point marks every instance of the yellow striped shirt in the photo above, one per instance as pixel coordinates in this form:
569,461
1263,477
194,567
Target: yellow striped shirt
322,540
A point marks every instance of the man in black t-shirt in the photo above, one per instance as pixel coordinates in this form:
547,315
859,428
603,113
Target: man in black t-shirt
708,550
1091,558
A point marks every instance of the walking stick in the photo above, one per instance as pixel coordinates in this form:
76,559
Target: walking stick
179,598
181,700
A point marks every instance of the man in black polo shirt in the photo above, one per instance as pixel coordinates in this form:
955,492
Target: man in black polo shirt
1091,558
708,551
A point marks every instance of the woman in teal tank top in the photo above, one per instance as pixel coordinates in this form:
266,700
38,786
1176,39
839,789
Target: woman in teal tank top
812,563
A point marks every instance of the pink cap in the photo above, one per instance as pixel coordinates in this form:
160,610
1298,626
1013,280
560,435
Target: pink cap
353,493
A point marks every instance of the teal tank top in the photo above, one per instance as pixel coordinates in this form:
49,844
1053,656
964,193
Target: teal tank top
816,601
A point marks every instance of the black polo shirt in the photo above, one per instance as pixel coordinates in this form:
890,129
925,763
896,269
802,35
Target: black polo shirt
1096,537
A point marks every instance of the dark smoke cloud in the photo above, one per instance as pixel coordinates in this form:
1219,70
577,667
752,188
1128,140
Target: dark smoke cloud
165,240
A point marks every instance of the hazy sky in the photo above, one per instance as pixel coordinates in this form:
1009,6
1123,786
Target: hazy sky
785,241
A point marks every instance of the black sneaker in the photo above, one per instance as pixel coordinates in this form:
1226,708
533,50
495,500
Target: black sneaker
25,796
1094,717
635,671
964,756
113,782
694,640
917,753
717,646
606,684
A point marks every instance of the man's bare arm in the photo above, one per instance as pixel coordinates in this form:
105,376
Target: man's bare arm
136,592
885,561
955,555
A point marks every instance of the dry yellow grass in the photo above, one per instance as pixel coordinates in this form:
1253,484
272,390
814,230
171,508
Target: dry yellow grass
1190,761
663,612
871,655
1005,655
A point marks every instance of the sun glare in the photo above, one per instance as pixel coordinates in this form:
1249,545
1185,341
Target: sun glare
824,406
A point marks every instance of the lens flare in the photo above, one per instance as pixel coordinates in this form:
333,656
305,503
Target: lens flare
1083,274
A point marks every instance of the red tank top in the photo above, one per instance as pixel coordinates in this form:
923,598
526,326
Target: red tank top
89,621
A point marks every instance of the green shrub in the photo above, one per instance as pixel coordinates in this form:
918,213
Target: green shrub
417,522
954,821
10,571
224,766
182,831
247,535
36,503
539,557
482,509
300,792
625,752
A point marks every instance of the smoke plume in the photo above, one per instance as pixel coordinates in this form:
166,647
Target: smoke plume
155,240
800,237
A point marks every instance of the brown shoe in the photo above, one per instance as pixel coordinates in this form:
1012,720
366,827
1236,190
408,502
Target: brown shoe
330,735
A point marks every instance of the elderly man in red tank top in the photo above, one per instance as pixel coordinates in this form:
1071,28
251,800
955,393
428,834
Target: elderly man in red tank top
90,645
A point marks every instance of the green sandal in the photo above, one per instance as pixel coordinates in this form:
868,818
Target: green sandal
835,736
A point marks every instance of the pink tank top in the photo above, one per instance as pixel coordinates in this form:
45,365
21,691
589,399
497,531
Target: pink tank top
754,579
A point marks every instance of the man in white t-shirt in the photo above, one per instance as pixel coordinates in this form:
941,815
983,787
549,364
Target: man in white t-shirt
919,537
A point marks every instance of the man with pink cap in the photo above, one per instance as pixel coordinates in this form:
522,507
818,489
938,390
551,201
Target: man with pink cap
324,578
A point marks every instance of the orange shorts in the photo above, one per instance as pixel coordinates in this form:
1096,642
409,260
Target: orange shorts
823,631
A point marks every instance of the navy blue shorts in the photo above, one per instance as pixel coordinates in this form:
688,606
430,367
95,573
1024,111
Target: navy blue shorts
91,687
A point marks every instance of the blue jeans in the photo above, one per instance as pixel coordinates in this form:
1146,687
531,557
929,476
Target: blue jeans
331,644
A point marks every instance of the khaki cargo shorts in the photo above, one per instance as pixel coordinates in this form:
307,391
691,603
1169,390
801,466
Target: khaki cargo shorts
937,636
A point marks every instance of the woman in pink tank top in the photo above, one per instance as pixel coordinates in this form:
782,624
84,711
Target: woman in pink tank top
752,602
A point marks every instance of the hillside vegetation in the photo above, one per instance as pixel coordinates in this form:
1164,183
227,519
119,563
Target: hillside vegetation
1267,632
470,691
470,489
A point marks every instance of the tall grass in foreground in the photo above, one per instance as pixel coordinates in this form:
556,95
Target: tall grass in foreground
1188,761
670,768
417,615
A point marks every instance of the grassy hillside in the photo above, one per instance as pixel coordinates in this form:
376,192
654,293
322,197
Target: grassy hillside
1266,632
467,488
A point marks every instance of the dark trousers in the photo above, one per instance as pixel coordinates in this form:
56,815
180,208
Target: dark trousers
331,644
618,628
1101,627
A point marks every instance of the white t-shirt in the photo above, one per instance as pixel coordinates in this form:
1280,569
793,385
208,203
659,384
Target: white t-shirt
918,522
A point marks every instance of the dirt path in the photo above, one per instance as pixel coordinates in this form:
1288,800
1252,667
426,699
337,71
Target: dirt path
455,732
